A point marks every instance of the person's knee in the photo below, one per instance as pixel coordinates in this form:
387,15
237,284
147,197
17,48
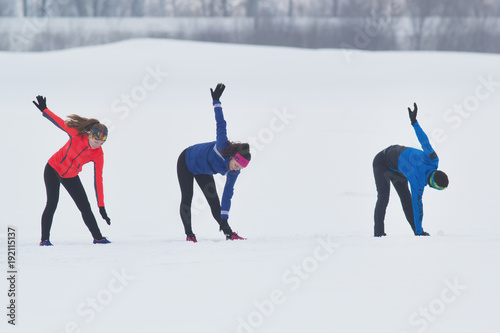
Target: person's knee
187,202
210,191
84,206
382,202
51,204
383,196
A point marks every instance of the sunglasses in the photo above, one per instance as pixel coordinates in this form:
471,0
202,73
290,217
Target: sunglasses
97,134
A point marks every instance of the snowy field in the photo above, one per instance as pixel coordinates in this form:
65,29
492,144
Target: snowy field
315,120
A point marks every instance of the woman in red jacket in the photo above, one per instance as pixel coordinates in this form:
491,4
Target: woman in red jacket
86,137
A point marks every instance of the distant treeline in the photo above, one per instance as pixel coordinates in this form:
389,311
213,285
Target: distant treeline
249,8
443,25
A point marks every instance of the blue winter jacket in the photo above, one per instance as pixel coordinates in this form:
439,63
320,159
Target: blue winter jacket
206,158
417,166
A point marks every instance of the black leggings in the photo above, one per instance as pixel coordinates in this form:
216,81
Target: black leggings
383,177
76,191
207,185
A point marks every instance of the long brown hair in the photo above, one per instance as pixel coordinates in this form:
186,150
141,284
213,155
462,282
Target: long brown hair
237,147
82,124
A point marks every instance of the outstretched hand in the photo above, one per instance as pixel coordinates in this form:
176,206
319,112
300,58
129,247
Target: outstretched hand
413,114
42,103
216,94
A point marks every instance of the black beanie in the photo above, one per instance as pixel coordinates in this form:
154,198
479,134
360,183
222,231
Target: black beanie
441,179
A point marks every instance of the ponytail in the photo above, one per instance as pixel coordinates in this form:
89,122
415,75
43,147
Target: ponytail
81,124
235,147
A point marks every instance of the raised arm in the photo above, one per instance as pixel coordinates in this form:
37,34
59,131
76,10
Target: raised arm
42,106
422,137
219,117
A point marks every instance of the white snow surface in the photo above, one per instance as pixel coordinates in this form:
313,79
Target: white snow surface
316,119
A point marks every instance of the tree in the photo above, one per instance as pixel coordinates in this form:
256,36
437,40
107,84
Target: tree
335,8
24,6
252,8
420,10
11,8
137,8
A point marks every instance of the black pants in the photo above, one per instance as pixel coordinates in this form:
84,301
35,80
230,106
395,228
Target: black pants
76,191
383,177
207,185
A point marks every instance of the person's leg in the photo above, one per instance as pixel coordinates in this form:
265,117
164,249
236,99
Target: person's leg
52,186
207,185
186,184
401,186
382,182
75,189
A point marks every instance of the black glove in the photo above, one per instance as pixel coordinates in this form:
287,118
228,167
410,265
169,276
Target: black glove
225,228
413,114
423,234
42,103
104,215
218,91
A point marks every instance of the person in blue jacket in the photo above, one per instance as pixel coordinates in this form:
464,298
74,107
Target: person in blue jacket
402,165
201,161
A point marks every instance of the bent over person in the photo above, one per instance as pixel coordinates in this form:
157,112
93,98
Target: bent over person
401,165
201,161
86,136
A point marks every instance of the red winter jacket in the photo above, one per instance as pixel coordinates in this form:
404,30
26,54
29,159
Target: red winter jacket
69,160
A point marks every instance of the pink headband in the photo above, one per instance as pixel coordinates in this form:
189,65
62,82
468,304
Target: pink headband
241,160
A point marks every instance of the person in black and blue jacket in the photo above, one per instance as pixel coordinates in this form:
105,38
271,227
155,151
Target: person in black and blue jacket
402,165
201,161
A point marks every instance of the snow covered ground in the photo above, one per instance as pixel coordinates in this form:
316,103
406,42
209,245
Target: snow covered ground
315,119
